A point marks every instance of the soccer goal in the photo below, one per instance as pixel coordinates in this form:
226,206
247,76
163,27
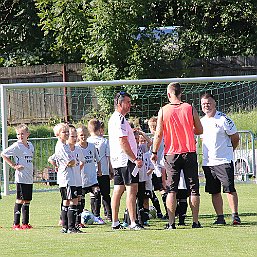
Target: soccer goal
79,101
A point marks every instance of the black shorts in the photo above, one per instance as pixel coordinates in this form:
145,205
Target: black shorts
157,182
90,189
123,175
69,192
79,190
219,175
188,163
24,191
182,194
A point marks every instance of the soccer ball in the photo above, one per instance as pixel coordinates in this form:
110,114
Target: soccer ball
152,212
87,217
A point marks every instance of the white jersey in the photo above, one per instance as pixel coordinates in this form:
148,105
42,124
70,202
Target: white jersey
182,182
78,156
160,152
62,156
119,127
147,165
217,146
102,146
89,174
22,155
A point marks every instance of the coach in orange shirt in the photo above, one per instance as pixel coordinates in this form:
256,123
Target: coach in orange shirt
177,123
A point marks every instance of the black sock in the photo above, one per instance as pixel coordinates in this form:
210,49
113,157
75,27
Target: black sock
80,210
25,213
156,203
17,213
83,202
65,217
164,196
72,214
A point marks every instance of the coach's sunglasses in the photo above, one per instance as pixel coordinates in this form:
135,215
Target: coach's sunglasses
119,95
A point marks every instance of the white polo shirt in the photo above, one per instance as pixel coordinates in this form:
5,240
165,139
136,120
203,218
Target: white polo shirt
89,173
62,156
119,127
23,156
217,146
102,146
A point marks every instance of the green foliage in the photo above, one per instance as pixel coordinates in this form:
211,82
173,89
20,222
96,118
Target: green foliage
245,120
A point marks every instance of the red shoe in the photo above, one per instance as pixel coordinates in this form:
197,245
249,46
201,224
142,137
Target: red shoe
26,226
17,227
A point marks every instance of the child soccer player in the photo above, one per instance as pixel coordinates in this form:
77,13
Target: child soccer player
89,174
66,162
22,151
79,158
102,145
158,181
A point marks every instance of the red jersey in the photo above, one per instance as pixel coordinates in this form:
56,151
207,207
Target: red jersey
178,128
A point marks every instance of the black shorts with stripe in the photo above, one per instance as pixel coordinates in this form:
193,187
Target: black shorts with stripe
24,191
69,192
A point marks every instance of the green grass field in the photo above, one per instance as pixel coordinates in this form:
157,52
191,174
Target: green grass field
99,240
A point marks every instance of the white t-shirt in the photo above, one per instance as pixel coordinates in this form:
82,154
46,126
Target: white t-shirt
147,164
217,146
89,174
22,156
78,156
160,152
62,156
102,146
119,127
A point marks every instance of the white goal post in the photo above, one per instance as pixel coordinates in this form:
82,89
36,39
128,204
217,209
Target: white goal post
5,87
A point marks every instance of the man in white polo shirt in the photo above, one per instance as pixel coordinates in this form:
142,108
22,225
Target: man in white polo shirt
123,153
219,138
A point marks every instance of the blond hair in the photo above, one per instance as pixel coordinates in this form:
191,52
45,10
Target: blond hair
57,128
94,125
22,127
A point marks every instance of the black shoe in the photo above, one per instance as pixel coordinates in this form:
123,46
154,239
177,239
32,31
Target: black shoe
219,222
181,223
236,220
169,227
136,227
118,227
196,225
159,215
74,231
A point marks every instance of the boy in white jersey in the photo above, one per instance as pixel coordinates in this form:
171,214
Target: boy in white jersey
79,159
89,174
22,151
65,161
158,181
102,145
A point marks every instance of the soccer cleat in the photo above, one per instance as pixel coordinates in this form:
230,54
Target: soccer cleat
181,223
236,220
159,215
196,225
219,222
16,227
169,227
26,226
99,220
63,230
136,227
74,231
118,227
81,225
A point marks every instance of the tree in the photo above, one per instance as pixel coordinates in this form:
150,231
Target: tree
21,39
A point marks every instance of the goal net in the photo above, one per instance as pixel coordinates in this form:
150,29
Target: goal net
77,102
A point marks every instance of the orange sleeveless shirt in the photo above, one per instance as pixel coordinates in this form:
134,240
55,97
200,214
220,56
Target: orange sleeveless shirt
178,125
